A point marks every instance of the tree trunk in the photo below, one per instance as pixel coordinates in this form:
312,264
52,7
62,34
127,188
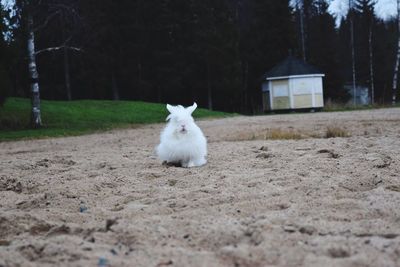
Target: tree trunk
209,90
396,65
352,52
371,65
245,84
139,78
67,78
301,15
114,87
159,94
66,75
244,73
36,119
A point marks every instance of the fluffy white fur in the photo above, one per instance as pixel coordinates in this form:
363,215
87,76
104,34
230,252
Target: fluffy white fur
182,141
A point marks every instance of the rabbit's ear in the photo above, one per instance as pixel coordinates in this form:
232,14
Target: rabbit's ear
170,108
192,108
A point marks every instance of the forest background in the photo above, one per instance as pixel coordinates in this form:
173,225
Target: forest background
180,51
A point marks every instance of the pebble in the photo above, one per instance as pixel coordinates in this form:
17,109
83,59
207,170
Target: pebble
338,252
20,202
289,228
264,155
307,229
103,262
4,242
82,208
109,223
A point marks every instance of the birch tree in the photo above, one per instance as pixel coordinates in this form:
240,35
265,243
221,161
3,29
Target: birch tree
36,119
27,9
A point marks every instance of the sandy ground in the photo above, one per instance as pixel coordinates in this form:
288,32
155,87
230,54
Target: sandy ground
105,200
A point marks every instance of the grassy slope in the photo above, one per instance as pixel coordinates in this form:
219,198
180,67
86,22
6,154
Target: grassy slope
62,118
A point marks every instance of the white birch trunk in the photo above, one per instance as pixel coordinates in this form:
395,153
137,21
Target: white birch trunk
396,65
36,119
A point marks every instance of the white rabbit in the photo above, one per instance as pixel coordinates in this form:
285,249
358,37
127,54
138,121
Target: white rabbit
182,142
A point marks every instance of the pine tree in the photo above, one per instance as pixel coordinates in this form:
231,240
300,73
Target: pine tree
322,46
268,40
384,45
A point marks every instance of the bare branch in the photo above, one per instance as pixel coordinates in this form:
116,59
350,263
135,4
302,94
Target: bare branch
44,24
50,49
70,9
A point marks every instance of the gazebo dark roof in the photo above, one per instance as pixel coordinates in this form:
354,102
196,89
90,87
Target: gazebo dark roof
291,66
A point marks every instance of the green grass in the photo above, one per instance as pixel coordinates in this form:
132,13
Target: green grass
62,118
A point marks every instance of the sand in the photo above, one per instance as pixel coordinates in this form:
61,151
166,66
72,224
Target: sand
105,200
